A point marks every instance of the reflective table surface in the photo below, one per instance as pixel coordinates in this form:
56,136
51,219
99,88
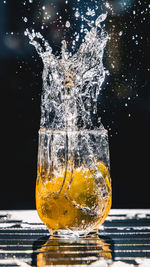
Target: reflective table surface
123,240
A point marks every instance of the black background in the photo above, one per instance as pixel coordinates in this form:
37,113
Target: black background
124,102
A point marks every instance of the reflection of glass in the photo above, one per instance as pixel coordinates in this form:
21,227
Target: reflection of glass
73,189
68,252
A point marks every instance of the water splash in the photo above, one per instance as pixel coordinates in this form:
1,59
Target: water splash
72,82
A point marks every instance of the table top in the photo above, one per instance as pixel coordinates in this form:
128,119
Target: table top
123,240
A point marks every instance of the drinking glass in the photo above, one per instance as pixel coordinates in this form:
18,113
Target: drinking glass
73,187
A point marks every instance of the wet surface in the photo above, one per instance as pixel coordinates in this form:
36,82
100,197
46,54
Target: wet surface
124,237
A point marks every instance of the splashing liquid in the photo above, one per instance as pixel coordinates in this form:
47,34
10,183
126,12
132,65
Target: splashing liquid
71,83
73,189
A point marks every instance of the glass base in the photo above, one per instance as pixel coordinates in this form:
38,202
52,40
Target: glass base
73,235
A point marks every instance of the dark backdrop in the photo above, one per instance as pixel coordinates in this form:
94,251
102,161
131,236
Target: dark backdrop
124,102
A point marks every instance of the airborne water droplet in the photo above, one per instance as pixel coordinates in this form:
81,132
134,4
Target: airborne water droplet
67,24
100,19
77,14
25,19
90,12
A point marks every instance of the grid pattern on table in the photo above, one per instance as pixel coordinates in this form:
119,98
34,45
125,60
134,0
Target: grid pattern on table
24,241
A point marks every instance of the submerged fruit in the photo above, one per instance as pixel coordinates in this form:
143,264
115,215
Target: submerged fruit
75,198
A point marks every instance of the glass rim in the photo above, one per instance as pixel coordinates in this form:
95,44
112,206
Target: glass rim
44,130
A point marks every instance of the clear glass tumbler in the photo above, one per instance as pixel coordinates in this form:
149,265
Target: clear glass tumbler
73,187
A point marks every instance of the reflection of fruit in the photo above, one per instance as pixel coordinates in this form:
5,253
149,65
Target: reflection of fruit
67,252
74,200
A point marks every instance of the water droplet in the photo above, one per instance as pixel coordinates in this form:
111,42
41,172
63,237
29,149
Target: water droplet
25,19
107,5
120,33
43,7
67,24
136,42
77,14
30,1
26,33
77,38
90,12
100,19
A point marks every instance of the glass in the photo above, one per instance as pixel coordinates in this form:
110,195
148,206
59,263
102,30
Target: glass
73,188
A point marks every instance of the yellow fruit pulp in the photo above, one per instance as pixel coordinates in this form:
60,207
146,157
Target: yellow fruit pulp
72,199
